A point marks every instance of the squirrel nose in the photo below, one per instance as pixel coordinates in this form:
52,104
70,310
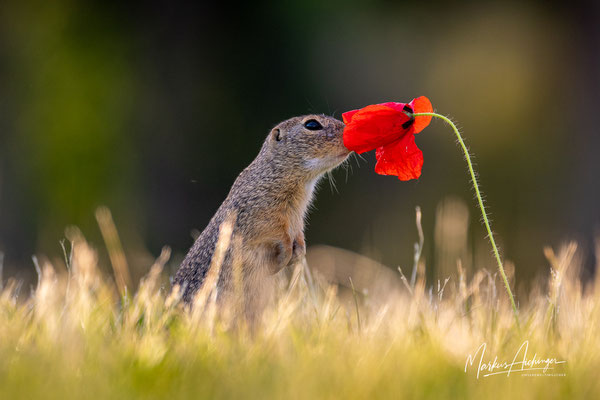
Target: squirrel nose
337,130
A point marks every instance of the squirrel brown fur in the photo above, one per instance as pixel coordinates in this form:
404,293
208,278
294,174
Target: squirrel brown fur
268,203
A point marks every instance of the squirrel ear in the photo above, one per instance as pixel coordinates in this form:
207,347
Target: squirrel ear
276,135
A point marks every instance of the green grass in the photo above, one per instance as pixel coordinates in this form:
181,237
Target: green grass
74,338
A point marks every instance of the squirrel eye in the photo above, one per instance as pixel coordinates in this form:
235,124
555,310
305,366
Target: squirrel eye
313,125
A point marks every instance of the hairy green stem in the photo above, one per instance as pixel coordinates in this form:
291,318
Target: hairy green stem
481,206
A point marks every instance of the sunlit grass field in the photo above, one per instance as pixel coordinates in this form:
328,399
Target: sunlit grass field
81,336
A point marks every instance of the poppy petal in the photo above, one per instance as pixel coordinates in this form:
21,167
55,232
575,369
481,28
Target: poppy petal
396,106
372,127
347,116
401,158
421,105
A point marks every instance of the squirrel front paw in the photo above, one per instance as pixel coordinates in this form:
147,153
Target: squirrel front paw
298,251
283,253
288,252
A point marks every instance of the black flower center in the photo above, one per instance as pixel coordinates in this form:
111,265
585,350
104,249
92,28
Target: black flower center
411,121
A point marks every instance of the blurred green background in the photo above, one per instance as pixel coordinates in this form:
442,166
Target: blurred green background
153,108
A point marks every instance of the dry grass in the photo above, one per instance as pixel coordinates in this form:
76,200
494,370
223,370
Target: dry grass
77,337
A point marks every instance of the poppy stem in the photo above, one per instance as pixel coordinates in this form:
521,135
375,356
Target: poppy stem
481,206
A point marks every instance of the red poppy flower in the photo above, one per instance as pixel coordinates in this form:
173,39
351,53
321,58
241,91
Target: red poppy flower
387,128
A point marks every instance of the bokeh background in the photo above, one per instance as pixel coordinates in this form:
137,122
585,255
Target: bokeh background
153,108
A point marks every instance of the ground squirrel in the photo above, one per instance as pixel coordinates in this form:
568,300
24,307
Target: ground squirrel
269,201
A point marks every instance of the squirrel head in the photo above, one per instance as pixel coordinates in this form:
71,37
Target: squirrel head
309,144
